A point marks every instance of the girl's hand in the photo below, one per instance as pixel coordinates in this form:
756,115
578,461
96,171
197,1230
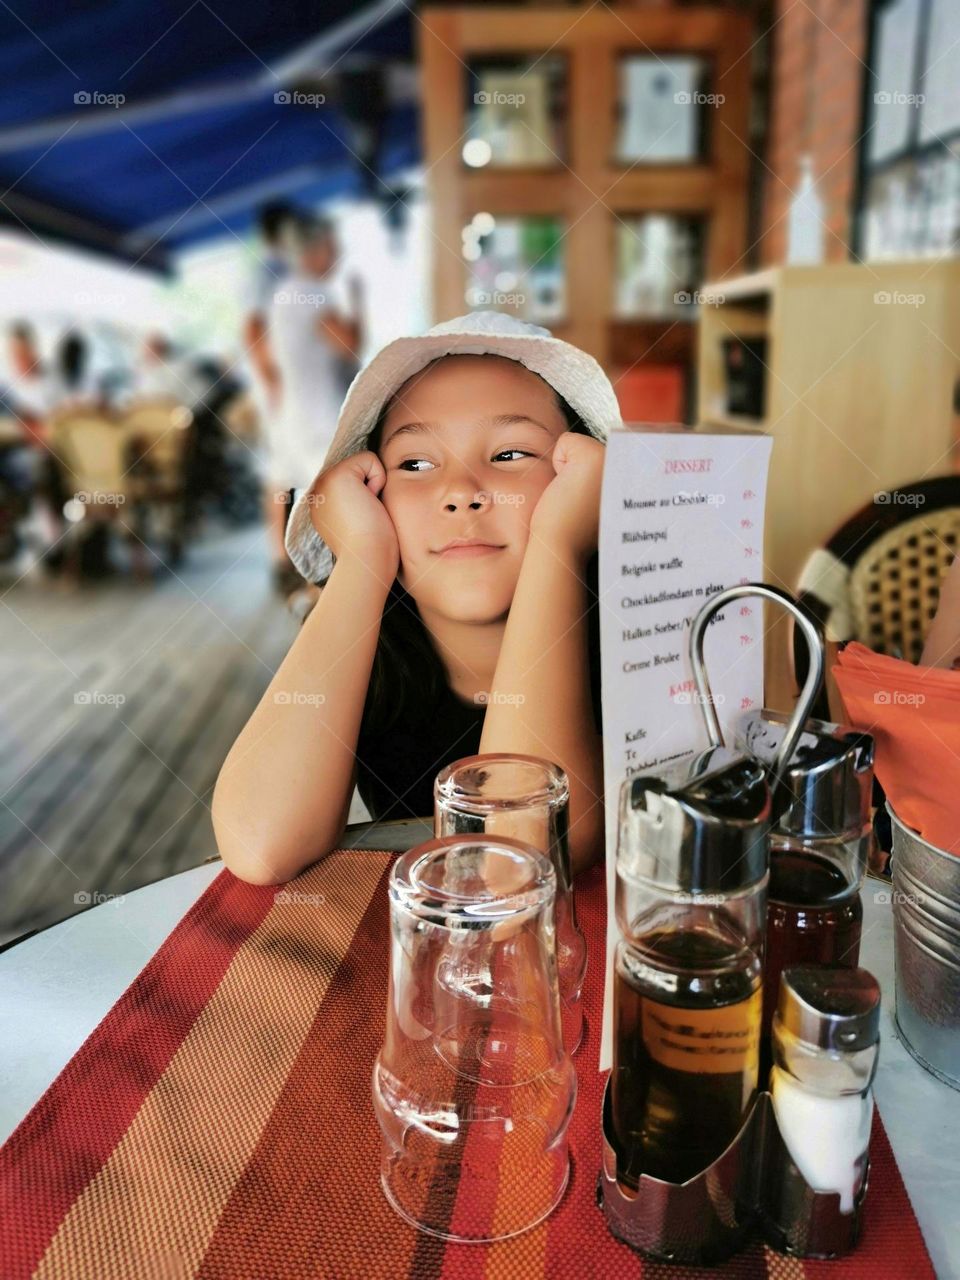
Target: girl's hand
346,511
567,516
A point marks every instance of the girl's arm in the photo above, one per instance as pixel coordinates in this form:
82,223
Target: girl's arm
540,703
342,335
284,790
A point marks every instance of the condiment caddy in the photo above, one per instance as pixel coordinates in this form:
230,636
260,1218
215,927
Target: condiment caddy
718,1092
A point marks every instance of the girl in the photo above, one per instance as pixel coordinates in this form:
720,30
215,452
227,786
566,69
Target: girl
454,526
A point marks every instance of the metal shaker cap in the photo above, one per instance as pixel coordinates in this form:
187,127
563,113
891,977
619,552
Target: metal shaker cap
700,827
826,788
830,1007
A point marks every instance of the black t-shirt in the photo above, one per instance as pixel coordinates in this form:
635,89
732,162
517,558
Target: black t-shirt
396,768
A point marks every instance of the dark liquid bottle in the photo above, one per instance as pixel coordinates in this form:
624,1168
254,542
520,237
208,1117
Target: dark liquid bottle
686,1028
814,917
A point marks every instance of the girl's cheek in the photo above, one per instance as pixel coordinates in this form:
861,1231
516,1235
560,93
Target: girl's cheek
404,520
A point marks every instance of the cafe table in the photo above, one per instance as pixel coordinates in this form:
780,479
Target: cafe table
185,1091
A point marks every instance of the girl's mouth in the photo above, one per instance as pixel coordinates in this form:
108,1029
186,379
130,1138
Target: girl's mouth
461,549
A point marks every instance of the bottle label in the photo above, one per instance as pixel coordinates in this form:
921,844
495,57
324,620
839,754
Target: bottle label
726,1038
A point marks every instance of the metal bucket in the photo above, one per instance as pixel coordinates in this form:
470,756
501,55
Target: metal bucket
926,914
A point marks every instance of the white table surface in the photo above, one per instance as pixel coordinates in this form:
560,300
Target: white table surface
57,986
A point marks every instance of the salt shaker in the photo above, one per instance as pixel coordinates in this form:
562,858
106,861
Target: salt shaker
825,1045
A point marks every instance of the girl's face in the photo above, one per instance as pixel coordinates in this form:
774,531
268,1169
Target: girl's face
466,446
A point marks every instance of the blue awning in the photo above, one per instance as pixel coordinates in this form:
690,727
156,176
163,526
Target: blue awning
142,128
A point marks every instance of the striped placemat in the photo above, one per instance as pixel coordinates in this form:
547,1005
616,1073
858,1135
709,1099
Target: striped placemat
218,1122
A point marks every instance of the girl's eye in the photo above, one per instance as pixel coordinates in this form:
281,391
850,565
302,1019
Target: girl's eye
422,464
521,453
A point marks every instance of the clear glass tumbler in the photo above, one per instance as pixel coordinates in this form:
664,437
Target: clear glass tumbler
473,1089
524,798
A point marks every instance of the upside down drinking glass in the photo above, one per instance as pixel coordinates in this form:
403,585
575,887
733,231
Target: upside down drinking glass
473,1089
523,798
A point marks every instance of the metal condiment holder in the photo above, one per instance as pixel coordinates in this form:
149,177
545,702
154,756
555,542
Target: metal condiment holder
753,1188
754,1184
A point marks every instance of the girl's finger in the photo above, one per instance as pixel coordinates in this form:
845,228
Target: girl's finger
561,451
371,471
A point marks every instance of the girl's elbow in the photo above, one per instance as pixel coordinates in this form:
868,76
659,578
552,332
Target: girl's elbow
254,865
264,862
246,856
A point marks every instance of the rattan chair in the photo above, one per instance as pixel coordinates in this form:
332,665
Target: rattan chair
877,579
91,452
159,433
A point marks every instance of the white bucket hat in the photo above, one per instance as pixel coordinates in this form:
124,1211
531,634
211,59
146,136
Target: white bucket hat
572,373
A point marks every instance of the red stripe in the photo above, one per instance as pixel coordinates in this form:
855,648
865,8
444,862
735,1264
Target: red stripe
891,1244
309,1201
65,1139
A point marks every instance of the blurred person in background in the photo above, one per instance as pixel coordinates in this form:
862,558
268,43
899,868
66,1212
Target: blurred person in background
162,375
29,385
275,224
32,396
315,336
72,382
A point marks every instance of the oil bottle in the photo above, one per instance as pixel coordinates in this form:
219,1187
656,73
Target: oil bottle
692,869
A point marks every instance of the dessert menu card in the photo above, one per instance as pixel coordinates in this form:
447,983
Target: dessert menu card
681,519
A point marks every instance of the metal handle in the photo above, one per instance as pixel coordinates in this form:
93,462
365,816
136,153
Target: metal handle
811,685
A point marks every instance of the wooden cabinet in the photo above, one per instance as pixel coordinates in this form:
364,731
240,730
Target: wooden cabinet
861,364
587,187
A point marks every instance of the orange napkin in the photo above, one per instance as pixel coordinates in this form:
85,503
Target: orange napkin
914,715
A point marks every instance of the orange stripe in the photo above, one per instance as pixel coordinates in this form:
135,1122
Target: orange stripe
782,1267
153,1207
524,1256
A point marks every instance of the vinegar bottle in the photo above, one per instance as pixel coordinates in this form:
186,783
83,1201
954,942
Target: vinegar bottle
818,849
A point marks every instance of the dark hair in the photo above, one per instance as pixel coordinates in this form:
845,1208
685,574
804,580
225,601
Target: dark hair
72,358
273,218
408,676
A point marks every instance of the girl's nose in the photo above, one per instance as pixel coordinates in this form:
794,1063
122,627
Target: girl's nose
466,499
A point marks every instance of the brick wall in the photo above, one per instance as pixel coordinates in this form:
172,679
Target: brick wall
816,86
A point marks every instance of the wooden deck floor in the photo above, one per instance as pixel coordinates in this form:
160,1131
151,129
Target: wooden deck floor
118,704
